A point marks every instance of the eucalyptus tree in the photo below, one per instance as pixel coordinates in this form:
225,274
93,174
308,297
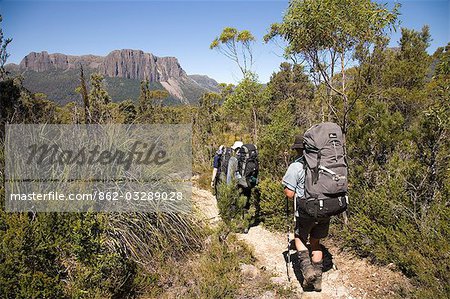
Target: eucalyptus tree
98,100
331,36
237,46
242,104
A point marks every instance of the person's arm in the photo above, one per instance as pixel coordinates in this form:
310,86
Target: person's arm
290,181
289,193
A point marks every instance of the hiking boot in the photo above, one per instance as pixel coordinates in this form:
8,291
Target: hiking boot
306,268
317,282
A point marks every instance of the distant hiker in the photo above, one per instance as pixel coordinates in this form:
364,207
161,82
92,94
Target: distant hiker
318,182
243,171
248,166
233,163
216,166
220,166
243,166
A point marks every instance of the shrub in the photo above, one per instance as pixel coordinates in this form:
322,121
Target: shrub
273,205
236,209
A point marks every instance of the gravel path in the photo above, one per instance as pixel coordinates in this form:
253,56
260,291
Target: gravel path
345,276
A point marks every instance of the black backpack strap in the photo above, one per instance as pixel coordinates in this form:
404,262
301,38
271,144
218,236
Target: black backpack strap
241,160
315,174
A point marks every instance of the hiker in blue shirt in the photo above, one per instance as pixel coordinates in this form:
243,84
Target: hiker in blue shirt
305,226
216,167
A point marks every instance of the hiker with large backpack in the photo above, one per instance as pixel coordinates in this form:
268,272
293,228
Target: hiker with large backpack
220,166
317,181
243,166
232,169
243,171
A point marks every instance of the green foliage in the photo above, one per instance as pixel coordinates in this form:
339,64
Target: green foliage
121,89
332,24
275,141
409,66
148,98
207,128
286,110
244,104
216,273
237,46
98,100
443,66
28,250
128,112
149,105
398,149
290,84
330,34
236,209
273,205
64,84
19,105
3,53
73,255
51,255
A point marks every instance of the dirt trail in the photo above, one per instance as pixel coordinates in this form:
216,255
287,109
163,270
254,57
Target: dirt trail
346,276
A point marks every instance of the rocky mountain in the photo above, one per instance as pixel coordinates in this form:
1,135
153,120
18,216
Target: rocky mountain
135,64
41,62
57,75
205,81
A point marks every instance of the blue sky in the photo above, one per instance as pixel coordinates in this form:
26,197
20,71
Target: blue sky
183,29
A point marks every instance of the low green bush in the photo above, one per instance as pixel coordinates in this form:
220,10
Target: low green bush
273,205
236,210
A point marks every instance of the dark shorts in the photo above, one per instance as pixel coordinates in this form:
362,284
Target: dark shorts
316,229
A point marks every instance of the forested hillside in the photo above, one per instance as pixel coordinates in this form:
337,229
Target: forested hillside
392,103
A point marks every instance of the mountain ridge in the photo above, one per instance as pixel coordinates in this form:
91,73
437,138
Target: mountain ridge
126,64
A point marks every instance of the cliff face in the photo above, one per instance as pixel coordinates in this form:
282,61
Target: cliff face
41,62
129,64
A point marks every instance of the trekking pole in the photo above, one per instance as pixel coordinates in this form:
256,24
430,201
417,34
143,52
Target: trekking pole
295,209
288,257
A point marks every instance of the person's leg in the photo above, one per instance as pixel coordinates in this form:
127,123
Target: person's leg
299,245
246,217
316,250
302,229
319,231
317,263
